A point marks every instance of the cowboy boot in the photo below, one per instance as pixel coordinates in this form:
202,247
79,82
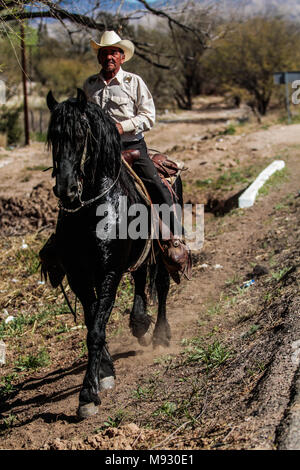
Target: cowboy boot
176,255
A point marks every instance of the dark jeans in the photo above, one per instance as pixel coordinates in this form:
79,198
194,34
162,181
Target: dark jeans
146,170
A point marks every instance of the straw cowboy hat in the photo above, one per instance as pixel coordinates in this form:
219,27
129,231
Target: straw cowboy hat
110,38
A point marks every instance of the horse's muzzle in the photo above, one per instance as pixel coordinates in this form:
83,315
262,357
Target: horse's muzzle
68,196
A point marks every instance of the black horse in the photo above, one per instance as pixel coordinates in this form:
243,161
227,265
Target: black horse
88,169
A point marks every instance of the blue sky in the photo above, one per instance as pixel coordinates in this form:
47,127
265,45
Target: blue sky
84,4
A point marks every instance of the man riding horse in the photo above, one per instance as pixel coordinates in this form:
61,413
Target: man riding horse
87,167
127,100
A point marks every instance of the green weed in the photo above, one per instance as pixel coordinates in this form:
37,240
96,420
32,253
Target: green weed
114,421
23,321
164,360
9,421
37,168
30,259
274,181
33,361
203,183
84,349
233,280
230,130
215,309
7,386
252,330
279,274
168,408
212,355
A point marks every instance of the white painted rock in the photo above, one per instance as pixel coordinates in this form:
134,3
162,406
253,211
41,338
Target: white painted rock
248,197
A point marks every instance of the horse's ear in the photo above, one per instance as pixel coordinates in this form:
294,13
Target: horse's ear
51,101
81,100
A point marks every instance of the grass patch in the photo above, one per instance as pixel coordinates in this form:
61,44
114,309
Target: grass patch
233,280
39,136
113,421
25,321
203,183
230,130
273,182
280,274
168,409
212,355
232,177
295,119
30,259
252,330
33,361
229,179
10,421
37,168
7,387
144,392
124,297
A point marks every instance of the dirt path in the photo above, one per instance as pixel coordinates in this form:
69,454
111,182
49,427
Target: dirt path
40,413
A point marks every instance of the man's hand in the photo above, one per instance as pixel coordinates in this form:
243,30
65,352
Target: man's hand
120,128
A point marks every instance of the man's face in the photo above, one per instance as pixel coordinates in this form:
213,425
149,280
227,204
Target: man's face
111,59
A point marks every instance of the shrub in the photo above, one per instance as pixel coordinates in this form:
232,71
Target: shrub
9,124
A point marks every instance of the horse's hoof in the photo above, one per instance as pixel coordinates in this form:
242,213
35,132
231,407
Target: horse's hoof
107,383
162,336
85,411
163,342
146,339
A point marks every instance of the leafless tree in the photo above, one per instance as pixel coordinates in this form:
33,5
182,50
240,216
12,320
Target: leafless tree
103,15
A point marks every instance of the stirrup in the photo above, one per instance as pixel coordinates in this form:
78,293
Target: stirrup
177,258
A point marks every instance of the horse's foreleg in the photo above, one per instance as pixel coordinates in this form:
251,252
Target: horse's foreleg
139,320
88,299
100,312
162,331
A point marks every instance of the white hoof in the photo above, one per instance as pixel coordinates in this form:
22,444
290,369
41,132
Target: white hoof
85,411
107,383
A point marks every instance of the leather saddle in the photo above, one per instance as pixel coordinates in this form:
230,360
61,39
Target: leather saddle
167,169
176,255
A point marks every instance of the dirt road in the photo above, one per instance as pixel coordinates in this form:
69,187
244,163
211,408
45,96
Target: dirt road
229,378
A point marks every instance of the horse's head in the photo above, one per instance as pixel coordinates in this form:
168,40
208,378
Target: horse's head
67,135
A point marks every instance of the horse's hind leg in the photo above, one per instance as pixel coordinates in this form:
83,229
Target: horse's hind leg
162,331
139,320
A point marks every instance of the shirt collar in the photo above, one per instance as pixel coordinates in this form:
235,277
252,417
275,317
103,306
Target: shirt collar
118,77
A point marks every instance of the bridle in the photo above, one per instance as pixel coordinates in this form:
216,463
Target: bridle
90,201
80,181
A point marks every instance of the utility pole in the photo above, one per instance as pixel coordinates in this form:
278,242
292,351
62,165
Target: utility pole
24,80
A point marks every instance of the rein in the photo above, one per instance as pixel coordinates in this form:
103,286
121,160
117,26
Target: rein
90,201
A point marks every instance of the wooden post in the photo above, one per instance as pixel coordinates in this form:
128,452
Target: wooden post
286,79
24,80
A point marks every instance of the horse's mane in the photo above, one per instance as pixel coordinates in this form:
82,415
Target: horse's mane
69,126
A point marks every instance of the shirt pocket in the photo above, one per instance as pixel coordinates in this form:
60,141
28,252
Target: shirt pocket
119,107
119,100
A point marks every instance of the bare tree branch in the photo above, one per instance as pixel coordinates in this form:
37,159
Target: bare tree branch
172,20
